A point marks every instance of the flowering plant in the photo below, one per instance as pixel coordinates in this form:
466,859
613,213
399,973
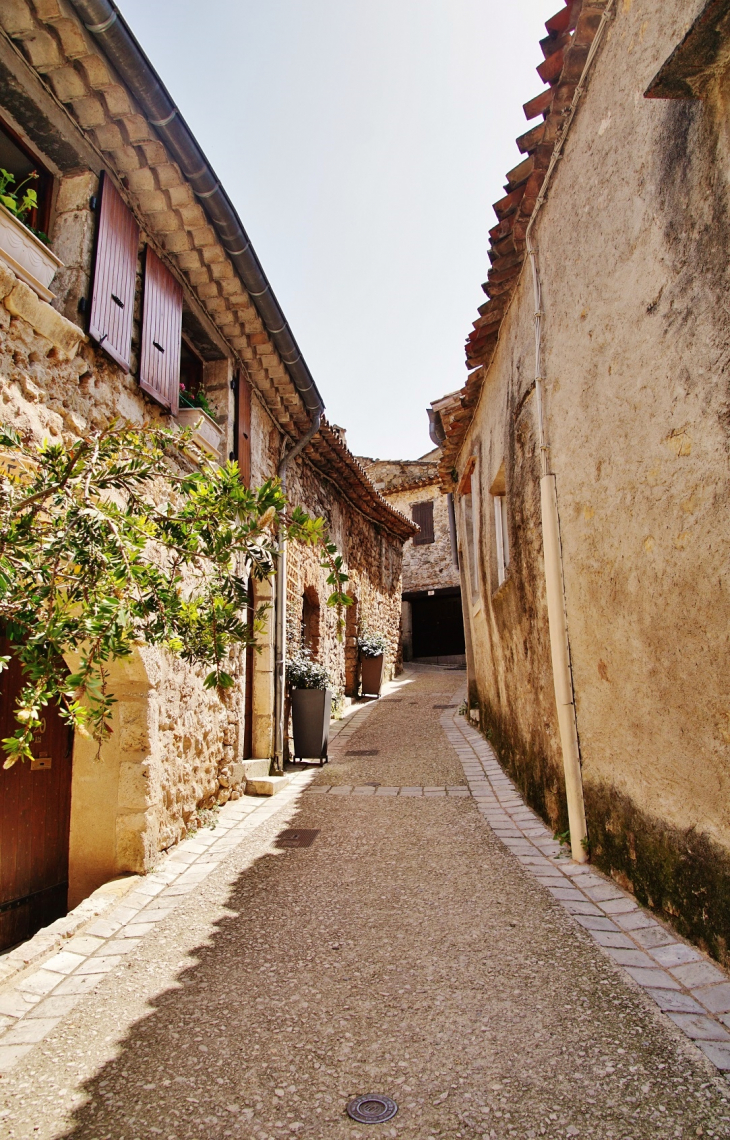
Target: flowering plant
19,206
105,545
196,400
373,644
304,673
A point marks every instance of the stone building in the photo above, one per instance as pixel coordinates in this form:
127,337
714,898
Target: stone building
149,282
432,627
592,504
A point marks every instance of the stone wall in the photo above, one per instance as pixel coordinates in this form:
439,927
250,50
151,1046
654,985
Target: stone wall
373,560
634,249
404,483
174,741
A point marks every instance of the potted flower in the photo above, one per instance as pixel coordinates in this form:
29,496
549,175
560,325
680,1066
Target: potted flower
24,249
373,647
311,706
196,412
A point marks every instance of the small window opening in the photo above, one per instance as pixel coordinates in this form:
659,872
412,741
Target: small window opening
27,174
469,506
498,491
191,376
310,620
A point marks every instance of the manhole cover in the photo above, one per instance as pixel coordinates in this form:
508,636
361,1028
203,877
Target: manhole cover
363,752
297,837
372,1108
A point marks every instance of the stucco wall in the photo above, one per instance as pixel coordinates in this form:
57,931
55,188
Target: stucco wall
633,250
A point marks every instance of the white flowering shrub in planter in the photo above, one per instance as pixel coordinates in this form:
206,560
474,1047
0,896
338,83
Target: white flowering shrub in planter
373,648
311,706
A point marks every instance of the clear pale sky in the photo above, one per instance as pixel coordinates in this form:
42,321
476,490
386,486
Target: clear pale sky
362,144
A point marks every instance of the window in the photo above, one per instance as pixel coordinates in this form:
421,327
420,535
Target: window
159,357
191,371
115,276
501,532
310,620
18,160
422,515
500,526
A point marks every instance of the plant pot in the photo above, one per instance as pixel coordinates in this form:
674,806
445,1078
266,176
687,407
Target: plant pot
371,675
27,256
206,432
311,710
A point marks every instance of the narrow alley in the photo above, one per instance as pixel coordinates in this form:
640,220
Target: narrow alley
406,951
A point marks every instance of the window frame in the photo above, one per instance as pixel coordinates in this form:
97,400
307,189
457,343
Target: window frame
46,180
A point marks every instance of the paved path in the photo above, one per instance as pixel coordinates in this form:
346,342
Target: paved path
410,950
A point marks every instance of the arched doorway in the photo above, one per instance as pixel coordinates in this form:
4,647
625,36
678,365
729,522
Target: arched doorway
35,809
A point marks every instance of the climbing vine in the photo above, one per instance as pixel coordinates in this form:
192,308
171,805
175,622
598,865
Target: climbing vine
112,542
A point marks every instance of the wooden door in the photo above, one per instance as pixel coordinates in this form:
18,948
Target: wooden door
35,808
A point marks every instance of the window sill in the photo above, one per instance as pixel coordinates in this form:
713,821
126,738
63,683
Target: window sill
206,432
503,589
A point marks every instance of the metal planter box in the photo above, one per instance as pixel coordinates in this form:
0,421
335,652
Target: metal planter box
311,710
371,675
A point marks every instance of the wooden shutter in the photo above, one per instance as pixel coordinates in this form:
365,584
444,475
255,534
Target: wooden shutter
243,428
422,515
115,276
159,356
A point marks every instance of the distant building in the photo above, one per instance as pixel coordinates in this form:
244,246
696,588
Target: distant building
432,626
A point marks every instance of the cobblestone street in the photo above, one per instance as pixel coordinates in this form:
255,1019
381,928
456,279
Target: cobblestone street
433,944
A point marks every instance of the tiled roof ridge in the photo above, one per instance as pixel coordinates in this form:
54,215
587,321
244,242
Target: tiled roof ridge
412,484
570,34
333,458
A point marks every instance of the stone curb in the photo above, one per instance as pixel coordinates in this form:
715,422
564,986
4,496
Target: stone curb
31,1006
688,987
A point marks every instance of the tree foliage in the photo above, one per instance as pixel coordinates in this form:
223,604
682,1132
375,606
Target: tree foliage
112,542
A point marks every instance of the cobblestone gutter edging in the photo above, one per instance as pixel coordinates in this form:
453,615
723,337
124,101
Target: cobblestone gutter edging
690,989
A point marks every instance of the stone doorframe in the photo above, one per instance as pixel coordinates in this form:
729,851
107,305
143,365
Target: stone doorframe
113,830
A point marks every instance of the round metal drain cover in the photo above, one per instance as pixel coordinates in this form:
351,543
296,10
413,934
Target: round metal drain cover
372,1108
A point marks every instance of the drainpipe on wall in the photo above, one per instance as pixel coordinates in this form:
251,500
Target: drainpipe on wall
552,549
280,627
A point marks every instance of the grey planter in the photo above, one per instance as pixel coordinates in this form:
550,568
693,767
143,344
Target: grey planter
371,674
311,710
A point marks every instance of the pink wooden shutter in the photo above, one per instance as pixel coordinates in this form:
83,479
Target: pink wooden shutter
115,276
159,358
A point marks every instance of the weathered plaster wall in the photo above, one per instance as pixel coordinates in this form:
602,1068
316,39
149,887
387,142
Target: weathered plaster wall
634,259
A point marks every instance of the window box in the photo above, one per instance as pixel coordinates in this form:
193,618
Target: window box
206,432
31,260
